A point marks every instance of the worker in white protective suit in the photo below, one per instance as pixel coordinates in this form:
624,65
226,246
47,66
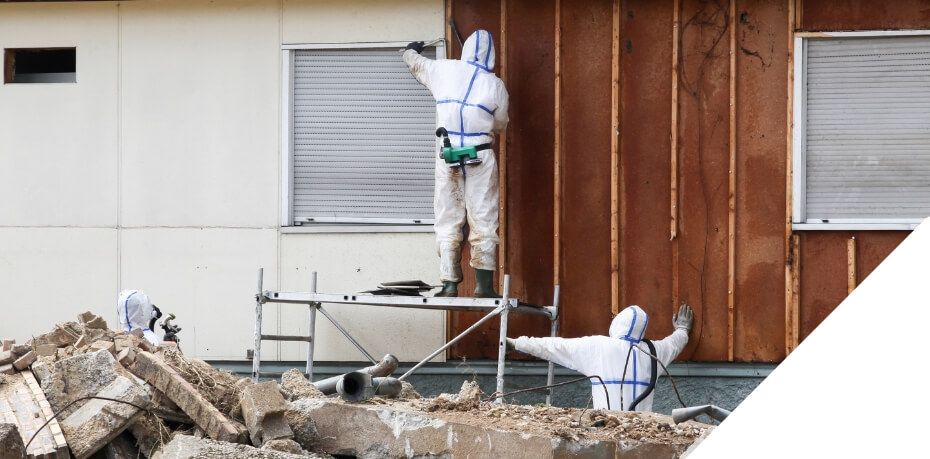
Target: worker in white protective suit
471,104
622,360
136,312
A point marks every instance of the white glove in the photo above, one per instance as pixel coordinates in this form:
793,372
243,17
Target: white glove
684,319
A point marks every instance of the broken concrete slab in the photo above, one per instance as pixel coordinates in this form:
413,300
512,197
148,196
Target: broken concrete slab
96,422
7,357
285,445
7,369
20,349
45,350
75,377
23,362
294,385
91,320
103,345
401,431
189,447
126,356
11,443
8,344
164,378
263,409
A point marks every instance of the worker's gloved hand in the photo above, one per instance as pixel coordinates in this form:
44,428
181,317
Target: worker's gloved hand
510,344
416,46
684,319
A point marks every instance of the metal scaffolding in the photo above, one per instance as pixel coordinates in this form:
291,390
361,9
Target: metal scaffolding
493,307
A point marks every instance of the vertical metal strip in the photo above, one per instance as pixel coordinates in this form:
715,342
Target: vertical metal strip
790,260
557,148
731,205
312,329
615,163
851,277
502,341
257,351
502,152
676,38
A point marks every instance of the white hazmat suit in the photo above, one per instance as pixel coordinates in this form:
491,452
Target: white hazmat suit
135,311
471,103
604,356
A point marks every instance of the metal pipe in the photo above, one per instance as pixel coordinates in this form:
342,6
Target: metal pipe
680,415
312,332
385,367
347,335
357,386
451,342
257,352
553,332
502,341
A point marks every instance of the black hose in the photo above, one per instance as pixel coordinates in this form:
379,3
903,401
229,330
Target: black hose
531,389
623,378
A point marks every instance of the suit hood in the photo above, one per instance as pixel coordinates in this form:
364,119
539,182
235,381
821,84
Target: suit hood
630,324
478,50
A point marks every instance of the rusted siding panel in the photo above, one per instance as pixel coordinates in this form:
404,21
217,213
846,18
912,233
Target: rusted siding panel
703,180
586,118
872,247
762,66
823,275
829,15
470,15
531,61
645,126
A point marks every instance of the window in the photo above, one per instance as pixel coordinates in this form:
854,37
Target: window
861,130
39,65
360,137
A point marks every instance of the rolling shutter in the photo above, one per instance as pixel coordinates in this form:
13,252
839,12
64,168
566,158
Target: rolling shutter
363,138
867,126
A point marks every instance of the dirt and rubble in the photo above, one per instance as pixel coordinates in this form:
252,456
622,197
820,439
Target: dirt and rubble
114,394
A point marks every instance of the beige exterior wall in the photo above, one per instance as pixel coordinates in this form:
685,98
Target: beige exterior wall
160,169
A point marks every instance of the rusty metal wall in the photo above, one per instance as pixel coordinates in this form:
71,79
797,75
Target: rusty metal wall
675,199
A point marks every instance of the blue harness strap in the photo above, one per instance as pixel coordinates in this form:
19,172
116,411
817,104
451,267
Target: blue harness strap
126,310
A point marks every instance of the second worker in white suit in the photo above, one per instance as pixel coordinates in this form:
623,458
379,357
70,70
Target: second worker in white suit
471,104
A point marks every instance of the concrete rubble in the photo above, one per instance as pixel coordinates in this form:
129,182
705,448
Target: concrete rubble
112,394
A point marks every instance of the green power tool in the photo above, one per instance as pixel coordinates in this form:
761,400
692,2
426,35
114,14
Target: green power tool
456,156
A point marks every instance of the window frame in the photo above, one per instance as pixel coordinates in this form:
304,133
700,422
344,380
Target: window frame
799,220
323,225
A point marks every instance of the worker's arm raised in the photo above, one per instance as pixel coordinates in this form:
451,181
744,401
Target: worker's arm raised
572,353
669,347
421,67
501,118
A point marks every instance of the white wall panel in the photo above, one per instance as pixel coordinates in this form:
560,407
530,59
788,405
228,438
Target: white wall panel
51,275
200,109
208,278
334,21
352,263
58,141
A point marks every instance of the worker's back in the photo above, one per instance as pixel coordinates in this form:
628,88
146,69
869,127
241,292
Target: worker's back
471,102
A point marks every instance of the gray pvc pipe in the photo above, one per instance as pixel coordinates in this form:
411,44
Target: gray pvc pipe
680,415
357,386
385,367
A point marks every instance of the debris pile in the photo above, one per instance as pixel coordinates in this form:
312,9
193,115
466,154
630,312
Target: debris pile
84,390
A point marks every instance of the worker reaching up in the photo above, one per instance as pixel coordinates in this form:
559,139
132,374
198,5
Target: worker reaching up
622,359
471,105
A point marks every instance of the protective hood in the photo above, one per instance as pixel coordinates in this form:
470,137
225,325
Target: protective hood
630,324
134,310
478,50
